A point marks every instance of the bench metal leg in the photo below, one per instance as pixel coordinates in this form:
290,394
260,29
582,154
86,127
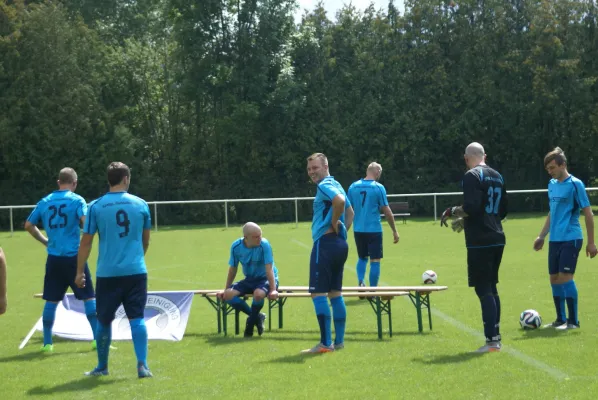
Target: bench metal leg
236,322
421,300
420,324
225,311
379,317
270,305
426,302
280,304
381,307
218,306
389,320
218,312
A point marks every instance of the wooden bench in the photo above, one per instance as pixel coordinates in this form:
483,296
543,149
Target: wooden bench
380,302
419,296
379,298
399,209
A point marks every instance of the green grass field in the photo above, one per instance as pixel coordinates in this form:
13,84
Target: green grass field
434,365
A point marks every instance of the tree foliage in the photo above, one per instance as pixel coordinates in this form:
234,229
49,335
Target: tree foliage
226,98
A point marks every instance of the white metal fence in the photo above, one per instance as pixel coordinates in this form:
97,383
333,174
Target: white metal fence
296,200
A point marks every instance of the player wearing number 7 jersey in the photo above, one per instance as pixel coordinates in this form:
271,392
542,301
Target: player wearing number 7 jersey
123,224
484,207
368,198
61,213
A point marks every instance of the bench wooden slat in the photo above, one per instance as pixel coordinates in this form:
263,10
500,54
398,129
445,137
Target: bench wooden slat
372,288
351,294
346,290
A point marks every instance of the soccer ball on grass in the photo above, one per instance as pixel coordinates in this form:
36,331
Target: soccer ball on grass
530,319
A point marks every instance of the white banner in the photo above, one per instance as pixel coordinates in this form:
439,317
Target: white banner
166,316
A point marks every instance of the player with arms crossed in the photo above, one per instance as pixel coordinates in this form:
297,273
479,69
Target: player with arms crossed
567,196
332,210
123,224
62,212
261,276
484,207
368,199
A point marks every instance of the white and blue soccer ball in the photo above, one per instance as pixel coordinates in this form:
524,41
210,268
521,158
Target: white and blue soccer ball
429,277
530,319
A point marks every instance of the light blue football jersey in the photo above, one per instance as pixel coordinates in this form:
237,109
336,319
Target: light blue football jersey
60,213
253,259
566,200
119,218
327,189
367,196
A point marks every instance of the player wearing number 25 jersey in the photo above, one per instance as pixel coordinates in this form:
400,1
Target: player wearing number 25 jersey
61,213
123,224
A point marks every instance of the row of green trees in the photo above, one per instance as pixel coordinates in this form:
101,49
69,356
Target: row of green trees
220,99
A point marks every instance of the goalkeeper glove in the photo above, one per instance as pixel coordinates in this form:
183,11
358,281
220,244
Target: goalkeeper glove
458,225
446,215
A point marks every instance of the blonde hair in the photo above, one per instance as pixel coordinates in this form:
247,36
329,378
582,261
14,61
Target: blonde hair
318,156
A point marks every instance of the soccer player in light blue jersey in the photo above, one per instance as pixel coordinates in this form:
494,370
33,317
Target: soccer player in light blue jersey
368,199
3,289
61,213
123,223
333,216
261,276
567,196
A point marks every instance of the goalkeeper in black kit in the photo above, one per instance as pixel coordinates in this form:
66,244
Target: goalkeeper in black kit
484,207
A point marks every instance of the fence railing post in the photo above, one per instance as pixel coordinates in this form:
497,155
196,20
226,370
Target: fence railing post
226,214
296,215
435,209
11,223
156,217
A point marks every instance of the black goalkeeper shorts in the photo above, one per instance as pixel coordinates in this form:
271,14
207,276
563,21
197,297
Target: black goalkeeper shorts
483,264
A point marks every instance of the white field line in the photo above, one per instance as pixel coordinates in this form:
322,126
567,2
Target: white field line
556,373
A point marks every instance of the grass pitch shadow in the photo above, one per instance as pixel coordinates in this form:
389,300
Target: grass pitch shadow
449,358
85,383
544,333
299,358
36,356
283,336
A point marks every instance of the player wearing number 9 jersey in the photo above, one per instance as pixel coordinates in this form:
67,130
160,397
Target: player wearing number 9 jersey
123,224
61,213
484,207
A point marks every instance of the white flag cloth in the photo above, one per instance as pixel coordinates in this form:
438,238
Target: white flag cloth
166,316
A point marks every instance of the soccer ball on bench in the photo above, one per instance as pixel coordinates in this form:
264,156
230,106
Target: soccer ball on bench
429,277
530,319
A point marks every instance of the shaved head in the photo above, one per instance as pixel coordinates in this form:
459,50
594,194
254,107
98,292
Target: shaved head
374,170
67,175
251,228
475,150
475,155
252,234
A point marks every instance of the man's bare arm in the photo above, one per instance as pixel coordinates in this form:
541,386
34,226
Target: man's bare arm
338,206
232,273
84,250
37,235
270,276
146,240
349,217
